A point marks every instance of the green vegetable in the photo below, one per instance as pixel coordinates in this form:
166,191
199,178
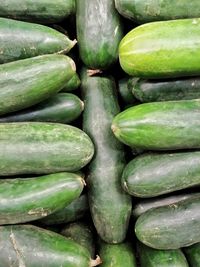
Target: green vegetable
125,92
72,84
193,255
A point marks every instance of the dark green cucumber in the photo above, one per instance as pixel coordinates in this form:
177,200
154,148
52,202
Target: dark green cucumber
147,52
42,148
117,255
168,125
82,234
172,226
142,11
29,199
62,108
155,174
165,90
45,11
72,84
126,94
31,246
150,257
99,31
27,82
193,255
143,205
104,172
20,40
72,212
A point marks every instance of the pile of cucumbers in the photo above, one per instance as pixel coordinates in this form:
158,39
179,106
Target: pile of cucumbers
99,133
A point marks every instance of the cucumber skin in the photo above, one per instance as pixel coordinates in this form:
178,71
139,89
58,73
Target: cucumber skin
61,108
166,90
142,11
36,79
141,126
47,248
98,16
29,199
44,12
42,148
104,172
147,53
72,212
20,40
193,255
161,258
155,174
125,93
154,230
72,84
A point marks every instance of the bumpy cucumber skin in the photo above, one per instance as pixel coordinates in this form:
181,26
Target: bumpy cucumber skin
38,11
42,148
193,255
146,51
167,227
99,31
168,125
62,108
27,245
155,174
72,212
36,79
161,258
29,199
110,206
72,84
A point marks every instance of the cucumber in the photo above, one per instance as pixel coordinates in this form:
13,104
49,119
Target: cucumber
28,199
165,90
171,226
142,11
45,11
126,94
117,255
168,125
31,246
62,108
81,233
72,212
36,79
104,172
42,148
99,31
72,84
147,52
155,174
161,258
143,205
193,255
20,40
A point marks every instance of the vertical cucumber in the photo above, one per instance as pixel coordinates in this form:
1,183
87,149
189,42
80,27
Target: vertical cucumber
109,205
193,255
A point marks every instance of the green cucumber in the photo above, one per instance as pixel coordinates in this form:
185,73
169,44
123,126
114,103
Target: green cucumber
72,84
125,93
147,52
72,212
150,257
29,199
27,82
31,246
45,11
99,31
155,174
143,205
172,226
165,90
193,255
142,11
20,40
168,125
81,233
104,172
117,255
62,108
42,148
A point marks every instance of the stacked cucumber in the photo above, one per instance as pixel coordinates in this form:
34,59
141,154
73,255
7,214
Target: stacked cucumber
99,158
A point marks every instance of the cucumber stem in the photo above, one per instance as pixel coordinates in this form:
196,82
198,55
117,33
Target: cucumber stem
95,262
93,72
